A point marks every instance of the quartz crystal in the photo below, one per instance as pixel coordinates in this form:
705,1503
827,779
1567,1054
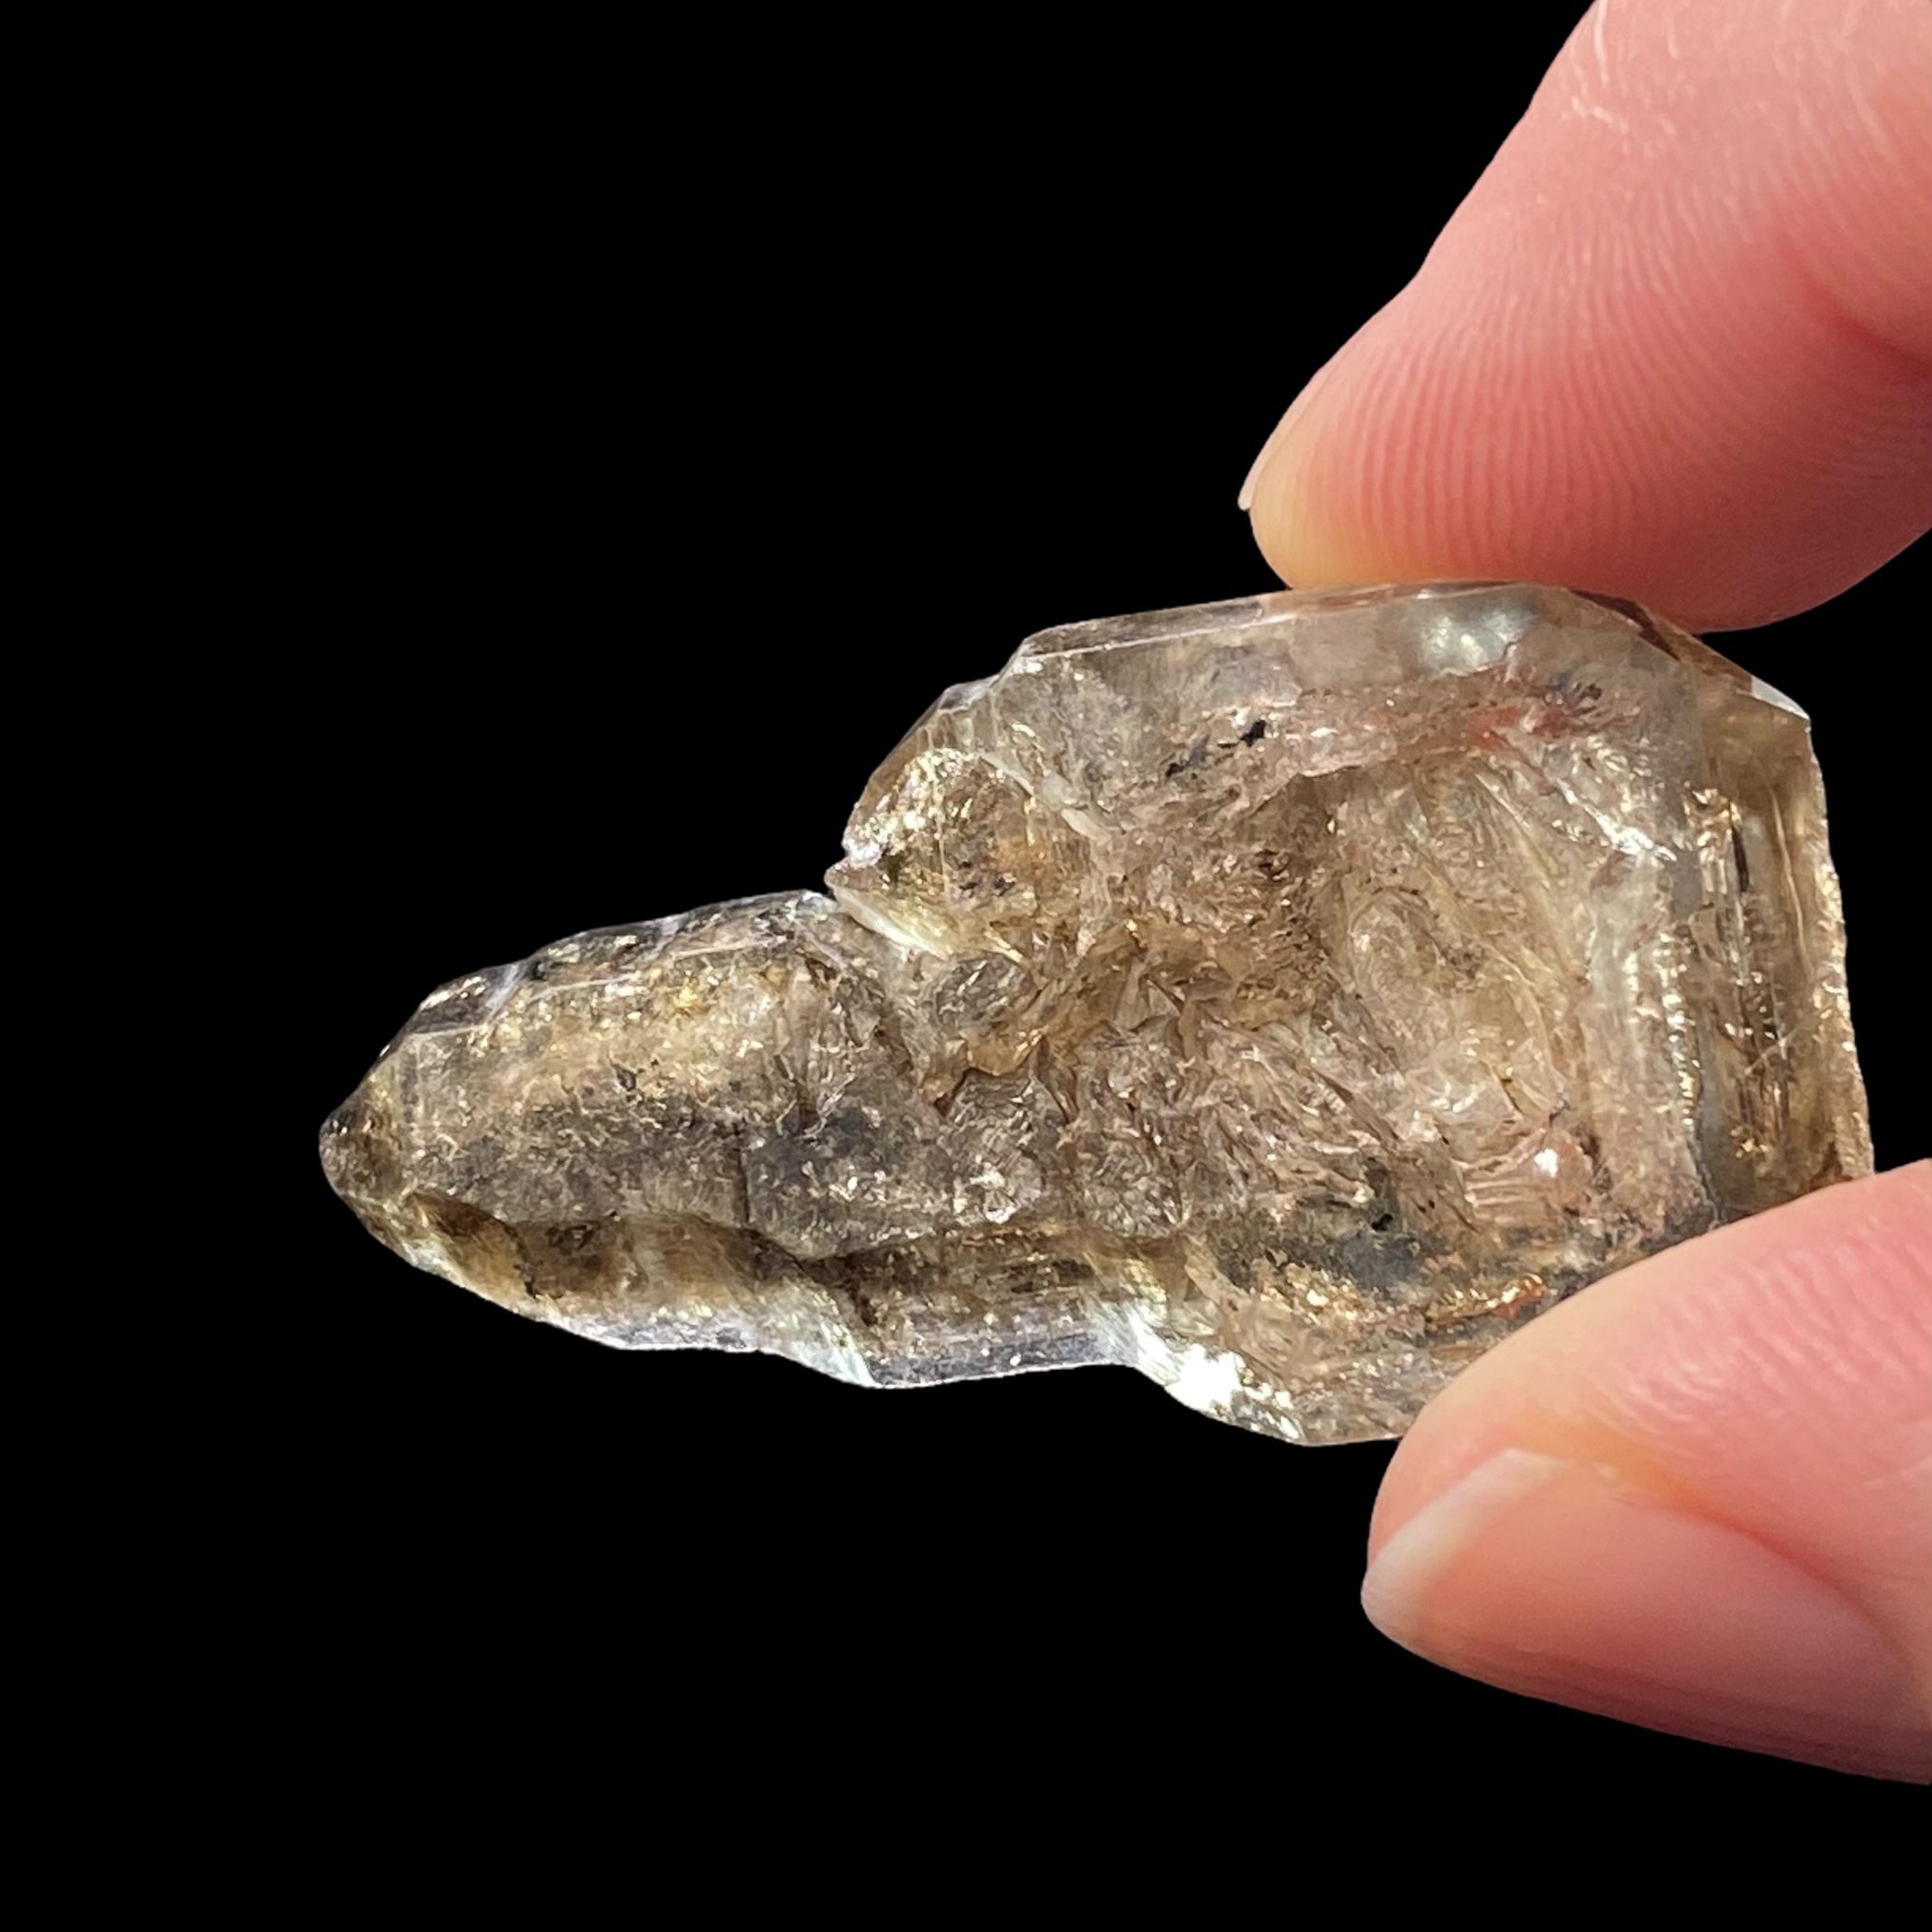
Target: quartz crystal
1285,998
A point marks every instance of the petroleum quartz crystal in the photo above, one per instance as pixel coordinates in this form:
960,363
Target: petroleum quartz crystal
1285,998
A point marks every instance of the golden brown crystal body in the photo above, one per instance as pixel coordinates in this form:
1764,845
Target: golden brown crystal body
1285,998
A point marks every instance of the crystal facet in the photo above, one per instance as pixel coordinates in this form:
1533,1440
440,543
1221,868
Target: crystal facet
1284,998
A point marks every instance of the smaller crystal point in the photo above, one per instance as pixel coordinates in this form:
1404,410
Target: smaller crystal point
1285,998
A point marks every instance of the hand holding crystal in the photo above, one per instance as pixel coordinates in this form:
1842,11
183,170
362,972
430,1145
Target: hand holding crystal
1675,344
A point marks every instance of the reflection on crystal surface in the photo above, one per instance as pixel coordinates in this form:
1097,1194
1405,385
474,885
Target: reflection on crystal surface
1285,998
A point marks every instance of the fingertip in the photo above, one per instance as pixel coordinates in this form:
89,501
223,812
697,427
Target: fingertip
1699,1495
1674,344
1563,1581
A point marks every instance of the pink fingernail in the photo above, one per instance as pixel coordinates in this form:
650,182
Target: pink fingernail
1562,1580
1244,502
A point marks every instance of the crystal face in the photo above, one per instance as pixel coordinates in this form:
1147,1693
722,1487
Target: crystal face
1284,998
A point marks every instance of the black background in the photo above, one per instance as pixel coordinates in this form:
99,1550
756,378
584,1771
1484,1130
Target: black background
654,487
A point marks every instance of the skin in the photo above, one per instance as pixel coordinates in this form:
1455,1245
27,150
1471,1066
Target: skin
1675,344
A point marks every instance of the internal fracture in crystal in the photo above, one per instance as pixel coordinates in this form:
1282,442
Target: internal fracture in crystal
1285,998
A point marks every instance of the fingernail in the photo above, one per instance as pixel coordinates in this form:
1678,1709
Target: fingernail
1278,436
1244,502
1563,1581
